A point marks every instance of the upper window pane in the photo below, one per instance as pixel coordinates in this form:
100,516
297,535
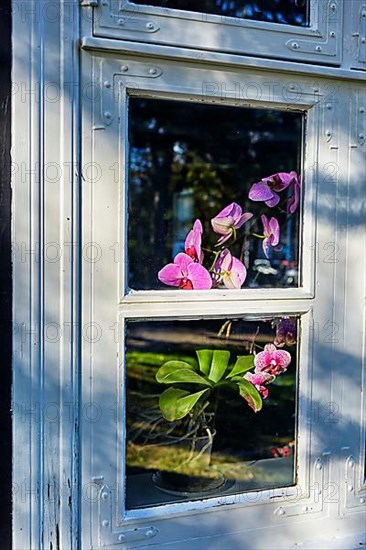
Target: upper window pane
234,170
290,12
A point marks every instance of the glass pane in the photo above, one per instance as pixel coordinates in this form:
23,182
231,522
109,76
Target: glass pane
290,12
190,161
197,429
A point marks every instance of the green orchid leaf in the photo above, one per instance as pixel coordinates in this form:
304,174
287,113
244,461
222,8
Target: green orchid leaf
179,372
175,403
250,393
204,360
219,363
243,364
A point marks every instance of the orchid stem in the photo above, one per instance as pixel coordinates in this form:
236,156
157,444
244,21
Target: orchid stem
214,260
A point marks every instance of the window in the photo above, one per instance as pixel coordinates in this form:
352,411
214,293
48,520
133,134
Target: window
294,12
230,449
190,160
301,30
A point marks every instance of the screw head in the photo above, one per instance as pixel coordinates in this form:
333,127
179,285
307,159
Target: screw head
124,68
107,84
104,496
153,71
121,537
105,523
318,49
295,46
332,34
150,25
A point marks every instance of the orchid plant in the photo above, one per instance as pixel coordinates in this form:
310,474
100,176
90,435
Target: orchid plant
193,387
187,271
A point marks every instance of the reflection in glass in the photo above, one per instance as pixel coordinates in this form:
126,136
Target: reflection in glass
221,446
188,161
290,12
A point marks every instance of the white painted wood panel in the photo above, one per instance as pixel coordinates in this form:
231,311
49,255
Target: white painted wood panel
68,385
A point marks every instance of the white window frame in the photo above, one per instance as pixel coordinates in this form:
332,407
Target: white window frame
107,303
320,42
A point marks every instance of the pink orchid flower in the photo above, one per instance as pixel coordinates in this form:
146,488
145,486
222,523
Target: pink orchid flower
228,221
271,230
230,270
294,200
192,245
186,274
258,379
268,188
272,360
285,333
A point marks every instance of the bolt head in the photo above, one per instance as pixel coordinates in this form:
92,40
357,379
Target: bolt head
104,496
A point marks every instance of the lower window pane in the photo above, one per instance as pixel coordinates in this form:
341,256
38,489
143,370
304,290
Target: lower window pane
211,408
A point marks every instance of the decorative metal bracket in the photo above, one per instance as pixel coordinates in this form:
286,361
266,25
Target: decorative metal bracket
314,503
327,46
125,17
109,92
352,497
358,121
108,535
361,42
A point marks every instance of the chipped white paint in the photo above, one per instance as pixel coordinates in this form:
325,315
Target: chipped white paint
58,501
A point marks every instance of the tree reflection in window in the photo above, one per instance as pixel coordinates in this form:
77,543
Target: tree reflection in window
189,161
290,12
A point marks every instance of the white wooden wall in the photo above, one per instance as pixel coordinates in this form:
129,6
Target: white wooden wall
57,55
